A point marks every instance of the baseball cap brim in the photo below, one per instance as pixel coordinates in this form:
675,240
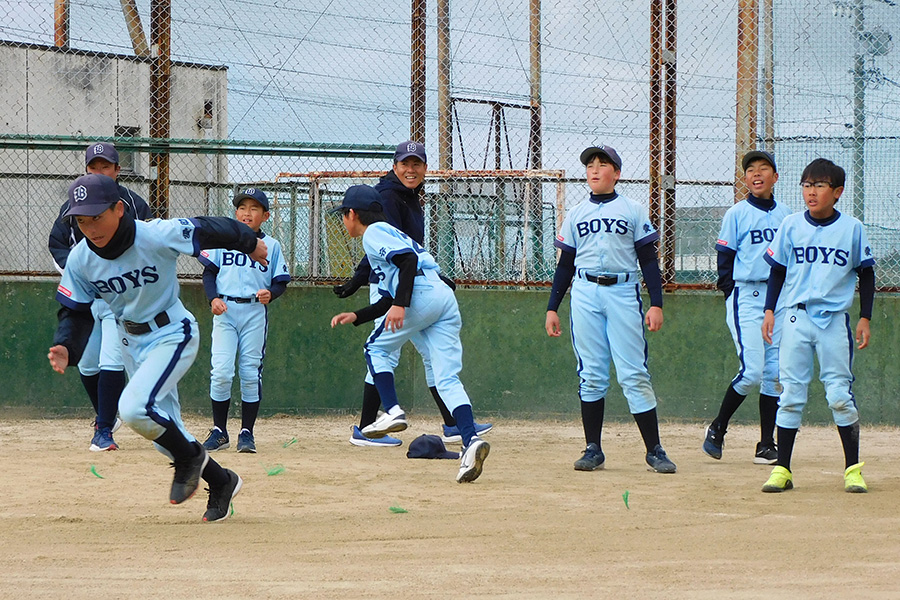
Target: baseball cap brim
757,155
87,210
237,200
589,153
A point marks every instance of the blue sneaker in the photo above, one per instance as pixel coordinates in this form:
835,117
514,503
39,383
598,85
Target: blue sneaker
246,443
216,440
593,459
452,435
358,439
658,461
103,440
714,442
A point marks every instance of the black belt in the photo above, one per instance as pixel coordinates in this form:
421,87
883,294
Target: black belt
602,280
240,300
801,306
161,320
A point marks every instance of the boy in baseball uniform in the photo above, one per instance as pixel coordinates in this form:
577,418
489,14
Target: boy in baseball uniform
602,242
101,367
747,229
239,291
132,266
816,257
415,304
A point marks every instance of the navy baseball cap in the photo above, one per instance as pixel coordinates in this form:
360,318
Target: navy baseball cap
756,154
90,195
410,148
254,194
360,197
101,150
429,446
607,151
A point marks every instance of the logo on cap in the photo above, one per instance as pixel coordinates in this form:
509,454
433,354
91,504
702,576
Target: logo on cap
411,147
98,149
79,194
250,191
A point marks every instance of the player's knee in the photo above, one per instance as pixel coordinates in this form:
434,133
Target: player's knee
131,412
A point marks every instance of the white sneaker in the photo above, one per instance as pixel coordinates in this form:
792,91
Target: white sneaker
472,460
385,424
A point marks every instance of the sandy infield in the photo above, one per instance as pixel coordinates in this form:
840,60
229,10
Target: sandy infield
530,527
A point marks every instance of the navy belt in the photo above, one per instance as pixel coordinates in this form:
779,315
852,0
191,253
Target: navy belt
239,300
801,306
602,280
161,320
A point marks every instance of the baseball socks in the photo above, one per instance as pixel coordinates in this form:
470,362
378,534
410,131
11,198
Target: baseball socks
850,440
220,413
768,407
384,382
648,424
449,421
592,420
730,403
109,387
91,383
465,422
370,406
249,411
786,439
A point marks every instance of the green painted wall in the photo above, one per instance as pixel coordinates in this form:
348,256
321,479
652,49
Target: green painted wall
511,368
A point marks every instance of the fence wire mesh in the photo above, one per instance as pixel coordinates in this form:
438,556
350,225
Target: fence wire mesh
208,96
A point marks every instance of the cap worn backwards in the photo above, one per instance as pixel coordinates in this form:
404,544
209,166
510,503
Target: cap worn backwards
254,194
360,197
410,148
101,150
429,446
607,151
755,155
90,195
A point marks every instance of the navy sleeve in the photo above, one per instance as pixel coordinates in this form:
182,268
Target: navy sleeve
373,311
649,262
777,273
363,273
222,232
725,266
407,263
278,288
562,279
866,292
209,282
73,330
60,239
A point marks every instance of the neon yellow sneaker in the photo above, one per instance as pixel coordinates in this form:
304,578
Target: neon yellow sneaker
853,479
780,480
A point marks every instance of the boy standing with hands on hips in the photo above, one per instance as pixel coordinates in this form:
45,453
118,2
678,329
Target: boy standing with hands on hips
816,257
602,241
239,290
132,266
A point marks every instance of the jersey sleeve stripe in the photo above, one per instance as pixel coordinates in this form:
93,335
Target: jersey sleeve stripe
564,247
772,261
647,240
394,253
723,247
282,278
69,303
869,262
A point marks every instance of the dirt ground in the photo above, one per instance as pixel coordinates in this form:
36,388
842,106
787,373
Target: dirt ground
530,527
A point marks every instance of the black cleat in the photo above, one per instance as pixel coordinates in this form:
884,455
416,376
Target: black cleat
187,475
217,509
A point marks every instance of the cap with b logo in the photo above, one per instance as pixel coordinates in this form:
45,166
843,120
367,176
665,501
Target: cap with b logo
607,151
103,150
90,195
410,148
254,194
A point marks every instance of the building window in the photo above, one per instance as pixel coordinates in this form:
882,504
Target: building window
127,158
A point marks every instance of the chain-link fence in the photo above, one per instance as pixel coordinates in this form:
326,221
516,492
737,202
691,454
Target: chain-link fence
218,94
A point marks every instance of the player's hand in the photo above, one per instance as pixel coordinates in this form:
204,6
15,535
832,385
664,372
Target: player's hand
347,289
259,255
551,324
768,326
393,320
862,333
654,318
264,296
218,306
343,319
59,358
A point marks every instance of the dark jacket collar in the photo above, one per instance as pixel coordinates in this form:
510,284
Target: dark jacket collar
122,239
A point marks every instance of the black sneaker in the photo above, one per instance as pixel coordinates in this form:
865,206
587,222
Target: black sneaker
715,440
593,459
216,440
217,509
246,443
187,475
659,461
766,454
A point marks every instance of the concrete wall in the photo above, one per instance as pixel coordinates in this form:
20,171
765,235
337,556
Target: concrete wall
511,367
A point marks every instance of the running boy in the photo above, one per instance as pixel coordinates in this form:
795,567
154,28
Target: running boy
132,266
101,367
602,241
816,257
417,305
239,291
747,229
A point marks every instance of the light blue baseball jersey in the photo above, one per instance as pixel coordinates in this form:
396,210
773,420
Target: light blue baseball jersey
242,277
747,230
821,262
382,242
139,284
604,235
